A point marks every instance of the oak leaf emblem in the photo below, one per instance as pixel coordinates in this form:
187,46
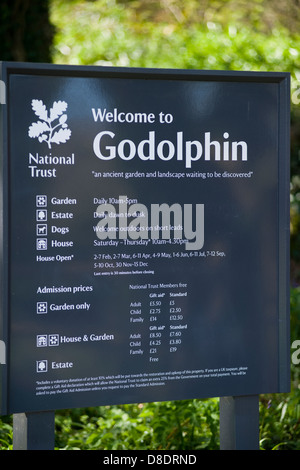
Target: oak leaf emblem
52,126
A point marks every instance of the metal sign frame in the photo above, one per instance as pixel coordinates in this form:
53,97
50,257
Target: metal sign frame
279,81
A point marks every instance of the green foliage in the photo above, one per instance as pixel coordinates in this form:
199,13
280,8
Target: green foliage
105,32
181,425
6,433
280,417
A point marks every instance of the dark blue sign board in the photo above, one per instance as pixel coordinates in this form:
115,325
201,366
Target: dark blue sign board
145,235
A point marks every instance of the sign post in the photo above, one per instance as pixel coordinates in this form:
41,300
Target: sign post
33,431
239,423
145,236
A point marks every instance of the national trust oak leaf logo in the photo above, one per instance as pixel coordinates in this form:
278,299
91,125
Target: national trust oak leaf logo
51,127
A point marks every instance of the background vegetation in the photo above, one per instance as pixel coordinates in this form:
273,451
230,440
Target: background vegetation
247,35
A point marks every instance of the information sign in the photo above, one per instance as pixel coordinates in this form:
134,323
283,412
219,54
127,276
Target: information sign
145,235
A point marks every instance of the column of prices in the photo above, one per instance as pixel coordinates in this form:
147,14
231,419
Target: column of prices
159,323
